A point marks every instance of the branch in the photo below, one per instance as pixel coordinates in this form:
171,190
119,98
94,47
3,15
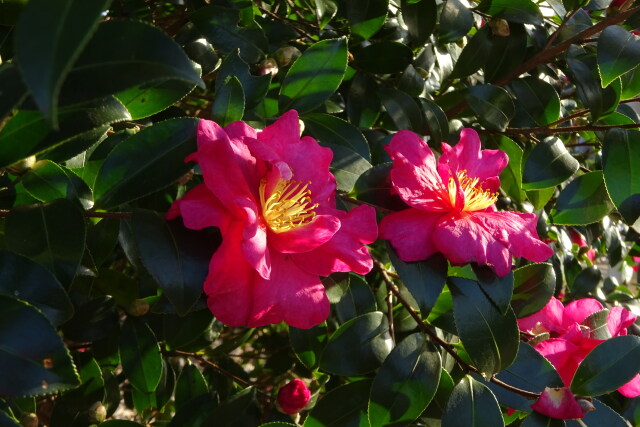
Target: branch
112,215
565,129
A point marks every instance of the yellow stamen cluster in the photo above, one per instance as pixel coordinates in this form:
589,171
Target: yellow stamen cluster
288,207
475,197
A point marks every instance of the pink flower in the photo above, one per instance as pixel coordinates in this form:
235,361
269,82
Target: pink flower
579,240
272,196
559,403
293,397
569,340
452,207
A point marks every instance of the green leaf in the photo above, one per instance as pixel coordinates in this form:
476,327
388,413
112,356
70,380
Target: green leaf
346,165
618,53
472,404
49,37
374,187
119,423
12,90
146,162
583,201
521,11
33,357
28,132
308,344
474,54
220,26
363,104
424,279
326,10
597,324
148,99
396,57
547,165
358,346
607,367
52,234
314,77
490,338
228,104
31,282
405,383
402,108
436,120
180,332
255,87
190,385
492,104
344,406
506,54
455,21
92,320
352,297
366,16
621,164
630,84
534,285
241,409
140,355
537,102
420,18
511,176
327,128
47,181
599,101
601,416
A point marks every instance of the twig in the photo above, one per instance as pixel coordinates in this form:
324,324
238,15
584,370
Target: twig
556,33
389,301
565,129
88,214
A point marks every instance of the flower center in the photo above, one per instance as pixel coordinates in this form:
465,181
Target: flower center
289,205
475,197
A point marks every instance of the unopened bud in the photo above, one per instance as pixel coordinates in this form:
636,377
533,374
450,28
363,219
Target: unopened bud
18,168
585,405
97,413
138,307
29,420
286,55
500,27
268,66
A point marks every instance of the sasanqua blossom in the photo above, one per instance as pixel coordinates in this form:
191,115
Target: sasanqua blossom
452,206
272,196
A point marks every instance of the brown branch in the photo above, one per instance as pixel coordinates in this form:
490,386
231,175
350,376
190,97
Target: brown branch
389,300
442,343
565,129
556,33
112,215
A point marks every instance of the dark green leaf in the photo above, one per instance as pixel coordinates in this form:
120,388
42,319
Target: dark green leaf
363,104
537,102
548,164
308,344
539,198
180,332
255,87
405,383
326,10
511,176
607,367
194,412
34,359
411,81
358,346
47,181
396,57
93,320
506,54
352,297
190,385
630,84
474,54
522,11
50,36
490,338
151,98
583,201
599,101
51,234
76,146
366,16
241,409
492,104
119,423
618,53
374,187
436,120
538,420
12,90
228,104
597,324
346,165
420,19
534,285
601,416
330,129
621,163
91,389
497,289
314,77
455,21
402,108
472,404
140,355
146,162
344,406
586,281
29,281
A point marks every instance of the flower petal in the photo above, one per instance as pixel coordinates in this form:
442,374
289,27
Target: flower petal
254,238
307,237
410,233
577,311
199,209
564,355
618,320
549,317
558,403
414,175
632,388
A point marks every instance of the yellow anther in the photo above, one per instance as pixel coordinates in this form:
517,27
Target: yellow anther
288,206
475,197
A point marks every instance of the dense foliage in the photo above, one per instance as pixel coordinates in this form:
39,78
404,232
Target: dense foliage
103,315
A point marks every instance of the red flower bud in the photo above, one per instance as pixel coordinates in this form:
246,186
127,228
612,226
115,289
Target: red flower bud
294,396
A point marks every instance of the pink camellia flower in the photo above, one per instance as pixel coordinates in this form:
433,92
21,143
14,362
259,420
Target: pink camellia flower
293,397
559,403
569,340
579,240
452,206
272,196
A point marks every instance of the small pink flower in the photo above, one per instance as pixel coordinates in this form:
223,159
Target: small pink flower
579,240
272,196
293,397
558,403
452,206
569,341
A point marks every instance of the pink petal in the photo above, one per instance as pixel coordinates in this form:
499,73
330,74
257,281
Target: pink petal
240,130
254,238
550,317
410,233
291,295
307,237
346,251
414,174
564,355
199,209
490,238
632,388
558,403
618,320
577,311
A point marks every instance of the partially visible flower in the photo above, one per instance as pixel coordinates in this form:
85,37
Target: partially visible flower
268,66
636,259
579,240
452,206
570,340
500,27
559,403
293,397
286,55
272,196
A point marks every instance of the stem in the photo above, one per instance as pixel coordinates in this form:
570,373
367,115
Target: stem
556,33
566,129
389,301
112,215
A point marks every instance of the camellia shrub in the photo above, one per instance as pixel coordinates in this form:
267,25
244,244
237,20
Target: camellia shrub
319,213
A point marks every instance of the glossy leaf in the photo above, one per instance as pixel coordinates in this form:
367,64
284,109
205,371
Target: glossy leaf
420,18
150,98
535,419
396,57
534,285
492,104
511,176
326,128
537,102
34,359
314,77
621,164
547,165
521,11
345,406
352,297
618,53
56,236
140,355
241,409
50,36
455,21
228,105
599,101
145,162
358,346
12,90
583,201
498,289
190,385
472,404
402,108
405,383
507,53
346,165
603,415
47,181
254,87
366,16
31,282
474,54
308,344
436,121
363,104
374,187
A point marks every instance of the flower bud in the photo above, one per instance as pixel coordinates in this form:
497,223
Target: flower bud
97,413
286,55
293,397
500,27
138,307
22,166
29,420
268,66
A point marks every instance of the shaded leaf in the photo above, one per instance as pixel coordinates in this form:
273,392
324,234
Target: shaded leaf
474,54
618,53
521,11
402,108
472,404
492,104
255,87
436,120
396,57
621,164
140,355
366,16
346,165
344,406
12,90
363,104
308,344
583,201
455,21
537,102
420,18
47,181
330,129
547,165
228,104
534,285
